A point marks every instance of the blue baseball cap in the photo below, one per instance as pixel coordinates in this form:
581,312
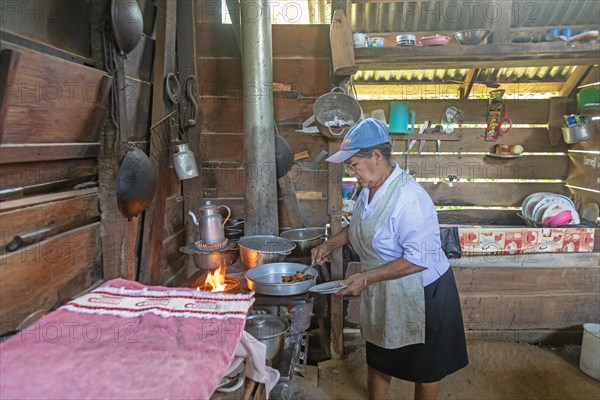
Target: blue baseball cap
367,133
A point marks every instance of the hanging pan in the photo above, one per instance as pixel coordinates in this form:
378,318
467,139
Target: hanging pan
136,183
127,23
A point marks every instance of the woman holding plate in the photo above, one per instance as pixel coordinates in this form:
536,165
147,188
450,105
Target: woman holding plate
410,311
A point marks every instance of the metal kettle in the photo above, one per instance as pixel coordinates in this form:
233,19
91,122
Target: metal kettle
211,223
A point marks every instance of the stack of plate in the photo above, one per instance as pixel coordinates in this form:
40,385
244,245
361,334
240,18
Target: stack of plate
549,209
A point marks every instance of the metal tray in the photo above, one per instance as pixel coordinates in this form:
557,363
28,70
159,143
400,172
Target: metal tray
266,279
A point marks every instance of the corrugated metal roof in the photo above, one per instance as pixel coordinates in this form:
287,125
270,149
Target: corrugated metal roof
500,75
439,15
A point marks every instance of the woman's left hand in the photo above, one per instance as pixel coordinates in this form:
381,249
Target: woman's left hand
356,284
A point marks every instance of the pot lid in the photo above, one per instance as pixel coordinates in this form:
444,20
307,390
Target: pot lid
303,234
266,326
267,243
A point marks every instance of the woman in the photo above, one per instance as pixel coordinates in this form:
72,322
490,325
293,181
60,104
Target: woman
410,311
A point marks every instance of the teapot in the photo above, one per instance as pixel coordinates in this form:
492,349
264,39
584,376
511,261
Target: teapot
211,223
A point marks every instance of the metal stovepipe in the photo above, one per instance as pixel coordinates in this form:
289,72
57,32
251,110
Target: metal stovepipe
259,133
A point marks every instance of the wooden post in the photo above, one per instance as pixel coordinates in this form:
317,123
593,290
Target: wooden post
186,63
334,204
342,48
154,216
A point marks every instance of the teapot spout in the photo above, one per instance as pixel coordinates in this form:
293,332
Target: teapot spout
194,218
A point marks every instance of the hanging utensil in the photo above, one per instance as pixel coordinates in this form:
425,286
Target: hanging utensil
136,183
127,23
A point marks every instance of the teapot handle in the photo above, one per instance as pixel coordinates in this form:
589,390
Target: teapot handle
228,215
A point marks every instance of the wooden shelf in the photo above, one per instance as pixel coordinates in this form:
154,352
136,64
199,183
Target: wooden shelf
478,56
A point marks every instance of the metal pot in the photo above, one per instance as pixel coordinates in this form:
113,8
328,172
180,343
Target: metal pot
266,279
211,260
574,134
231,386
305,239
269,330
336,112
263,249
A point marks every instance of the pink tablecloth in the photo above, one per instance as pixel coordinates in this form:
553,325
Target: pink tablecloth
126,341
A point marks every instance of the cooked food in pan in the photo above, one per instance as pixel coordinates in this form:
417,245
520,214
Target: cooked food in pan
297,277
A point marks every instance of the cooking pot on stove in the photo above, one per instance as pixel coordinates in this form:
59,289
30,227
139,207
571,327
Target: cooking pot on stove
269,330
211,223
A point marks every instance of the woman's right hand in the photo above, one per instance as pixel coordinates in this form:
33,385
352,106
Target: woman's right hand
320,253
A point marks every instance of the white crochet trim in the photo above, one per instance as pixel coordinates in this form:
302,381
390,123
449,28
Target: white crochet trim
160,313
174,292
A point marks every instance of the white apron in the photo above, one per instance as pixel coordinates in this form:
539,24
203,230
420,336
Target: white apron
392,312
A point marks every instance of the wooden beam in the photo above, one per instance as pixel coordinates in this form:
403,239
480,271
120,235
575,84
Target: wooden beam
488,56
342,49
186,63
8,68
154,216
465,89
16,153
576,77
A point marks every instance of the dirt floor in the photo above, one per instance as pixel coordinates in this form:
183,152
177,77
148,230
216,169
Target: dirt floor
497,370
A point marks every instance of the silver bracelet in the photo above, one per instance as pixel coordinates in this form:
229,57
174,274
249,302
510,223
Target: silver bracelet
365,278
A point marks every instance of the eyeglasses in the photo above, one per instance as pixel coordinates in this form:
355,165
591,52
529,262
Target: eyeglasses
350,168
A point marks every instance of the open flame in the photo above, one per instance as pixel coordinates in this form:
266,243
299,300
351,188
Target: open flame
216,282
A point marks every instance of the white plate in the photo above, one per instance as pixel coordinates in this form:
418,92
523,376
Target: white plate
328,287
543,204
532,202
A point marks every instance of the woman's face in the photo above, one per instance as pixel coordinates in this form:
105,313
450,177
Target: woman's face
369,172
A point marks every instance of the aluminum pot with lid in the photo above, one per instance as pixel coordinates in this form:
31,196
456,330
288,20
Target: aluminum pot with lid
305,239
270,330
263,249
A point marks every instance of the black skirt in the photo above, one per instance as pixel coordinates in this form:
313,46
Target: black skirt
445,348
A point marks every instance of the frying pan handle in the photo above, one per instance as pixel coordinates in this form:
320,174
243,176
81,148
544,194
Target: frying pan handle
228,215
336,133
338,89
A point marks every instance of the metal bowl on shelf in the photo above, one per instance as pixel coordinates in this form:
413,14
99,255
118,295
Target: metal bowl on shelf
471,36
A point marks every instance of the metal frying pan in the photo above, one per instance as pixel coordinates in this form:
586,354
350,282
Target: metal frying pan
136,183
127,23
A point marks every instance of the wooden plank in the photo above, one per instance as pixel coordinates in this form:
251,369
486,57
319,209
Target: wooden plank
137,99
526,281
559,107
229,182
342,49
29,174
174,215
152,257
48,105
484,167
51,214
474,111
577,76
465,89
186,64
223,76
288,193
224,114
229,146
314,212
45,198
548,311
583,170
31,278
9,60
218,40
479,217
174,260
487,194
15,153
472,140
453,56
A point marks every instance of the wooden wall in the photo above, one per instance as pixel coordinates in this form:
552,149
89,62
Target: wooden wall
303,64
584,160
477,173
50,119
